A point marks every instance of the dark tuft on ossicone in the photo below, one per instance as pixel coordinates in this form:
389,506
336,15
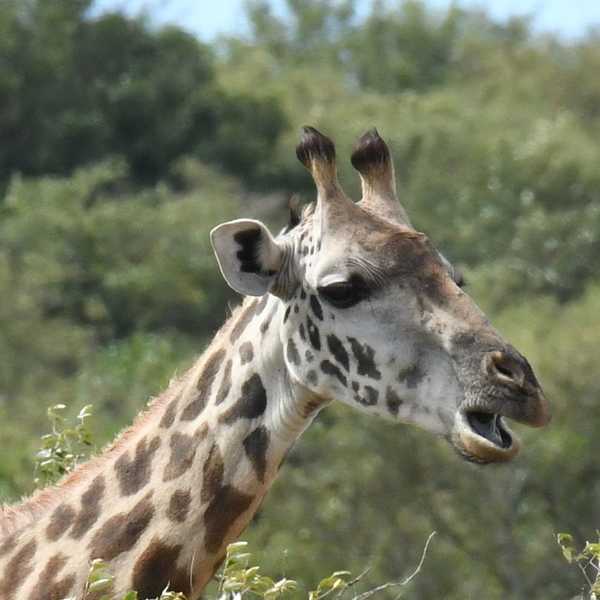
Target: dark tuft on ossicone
370,151
314,146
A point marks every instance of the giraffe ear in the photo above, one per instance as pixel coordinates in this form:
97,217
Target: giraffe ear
248,256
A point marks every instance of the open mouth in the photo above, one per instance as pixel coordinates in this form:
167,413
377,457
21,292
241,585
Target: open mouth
484,437
491,427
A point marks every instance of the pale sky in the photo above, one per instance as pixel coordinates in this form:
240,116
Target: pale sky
209,18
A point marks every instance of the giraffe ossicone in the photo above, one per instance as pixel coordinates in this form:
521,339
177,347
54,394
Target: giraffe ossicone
348,303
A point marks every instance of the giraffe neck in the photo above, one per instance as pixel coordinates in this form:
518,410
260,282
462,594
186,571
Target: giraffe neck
228,432
161,505
242,406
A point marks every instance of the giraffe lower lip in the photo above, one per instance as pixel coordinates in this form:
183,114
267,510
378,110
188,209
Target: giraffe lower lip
490,427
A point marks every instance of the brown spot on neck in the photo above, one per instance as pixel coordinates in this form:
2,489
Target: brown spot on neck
60,521
245,317
179,505
204,386
251,404
16,571
48,587
256,445
225,508
212,474
9,544
134,474
225,386
183,451
156,568
90,508
169,415
121,532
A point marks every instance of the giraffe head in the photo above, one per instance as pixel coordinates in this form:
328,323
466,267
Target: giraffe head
375,317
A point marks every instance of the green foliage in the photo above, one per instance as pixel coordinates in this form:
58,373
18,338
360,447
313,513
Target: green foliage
64,233
587,560
65,447
238,579
78,89
99,581
336,582
83,311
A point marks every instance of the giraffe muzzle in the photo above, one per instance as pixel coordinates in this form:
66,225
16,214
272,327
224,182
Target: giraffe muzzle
481,433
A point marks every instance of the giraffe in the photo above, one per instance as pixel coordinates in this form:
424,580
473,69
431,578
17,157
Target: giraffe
348,303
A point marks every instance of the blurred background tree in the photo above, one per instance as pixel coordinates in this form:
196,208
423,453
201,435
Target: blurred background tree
124,142
76,90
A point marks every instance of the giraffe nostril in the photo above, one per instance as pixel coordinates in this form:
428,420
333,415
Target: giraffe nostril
504,367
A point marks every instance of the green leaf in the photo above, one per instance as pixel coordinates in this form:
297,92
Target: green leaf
592,549
100,585
235,546
565,541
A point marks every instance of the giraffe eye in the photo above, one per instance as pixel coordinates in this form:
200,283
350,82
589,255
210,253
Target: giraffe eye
344,294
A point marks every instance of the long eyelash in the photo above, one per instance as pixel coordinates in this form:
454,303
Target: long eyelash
371,272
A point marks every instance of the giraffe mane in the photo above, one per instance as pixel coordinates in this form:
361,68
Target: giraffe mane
14,517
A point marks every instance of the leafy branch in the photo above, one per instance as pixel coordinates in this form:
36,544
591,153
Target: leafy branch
65,447
587,561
